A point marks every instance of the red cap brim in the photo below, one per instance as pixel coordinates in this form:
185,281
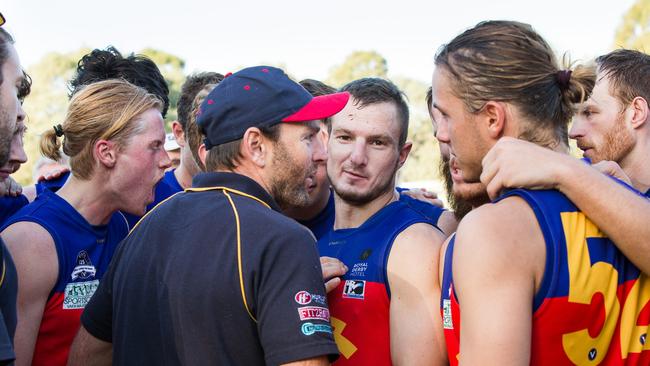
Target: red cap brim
320,107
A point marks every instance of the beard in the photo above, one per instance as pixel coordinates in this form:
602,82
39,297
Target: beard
459,206
617,143
288,183
362,198
6,134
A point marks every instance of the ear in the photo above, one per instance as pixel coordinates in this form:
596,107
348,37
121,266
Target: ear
203,153
255,147
640,108
404,153
106,153
179,134
495,116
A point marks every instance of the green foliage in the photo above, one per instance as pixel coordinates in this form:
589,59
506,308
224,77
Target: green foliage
359,64
422,163
634,30
173,69
46,105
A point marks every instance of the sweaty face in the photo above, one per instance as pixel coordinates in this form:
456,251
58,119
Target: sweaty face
296,157
364,152
601,126
11,111
459,138
141,163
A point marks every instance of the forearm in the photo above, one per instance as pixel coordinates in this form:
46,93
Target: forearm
318,361
88,350
620,213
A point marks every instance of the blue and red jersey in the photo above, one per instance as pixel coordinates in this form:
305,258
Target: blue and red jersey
593,305
359,306
167,186
84,252
324,221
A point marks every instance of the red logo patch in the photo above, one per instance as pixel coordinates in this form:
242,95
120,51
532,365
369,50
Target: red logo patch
303,297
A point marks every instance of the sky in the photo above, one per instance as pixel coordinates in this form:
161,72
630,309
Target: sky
308,38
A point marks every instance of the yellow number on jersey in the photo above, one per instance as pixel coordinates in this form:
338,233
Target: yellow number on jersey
585,280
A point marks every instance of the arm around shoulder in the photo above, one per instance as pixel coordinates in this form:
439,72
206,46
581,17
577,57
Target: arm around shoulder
33,251
416,336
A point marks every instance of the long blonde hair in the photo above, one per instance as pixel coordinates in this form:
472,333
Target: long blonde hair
104,110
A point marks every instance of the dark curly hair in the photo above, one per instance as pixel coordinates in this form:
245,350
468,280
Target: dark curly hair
106,64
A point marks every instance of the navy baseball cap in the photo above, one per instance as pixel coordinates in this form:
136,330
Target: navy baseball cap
260,96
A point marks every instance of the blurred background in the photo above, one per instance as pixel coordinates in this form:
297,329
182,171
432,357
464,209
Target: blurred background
334,41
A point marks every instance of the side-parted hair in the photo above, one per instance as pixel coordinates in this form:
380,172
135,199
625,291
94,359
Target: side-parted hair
105,110
138,70
193,85
628,72
368,91
508,61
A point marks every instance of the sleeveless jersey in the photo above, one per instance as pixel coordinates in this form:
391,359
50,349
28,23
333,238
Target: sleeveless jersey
359,305
11,205
167,186
84,253
593,305
324,221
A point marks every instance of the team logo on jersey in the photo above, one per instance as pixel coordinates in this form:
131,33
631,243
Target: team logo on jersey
309,328
365,254
314,313
77,294
84,268
354,289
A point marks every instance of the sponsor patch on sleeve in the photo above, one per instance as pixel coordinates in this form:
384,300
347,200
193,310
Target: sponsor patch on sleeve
310,328
314,313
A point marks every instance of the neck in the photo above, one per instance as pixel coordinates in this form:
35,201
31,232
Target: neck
635,165
95,206
350,215
183,175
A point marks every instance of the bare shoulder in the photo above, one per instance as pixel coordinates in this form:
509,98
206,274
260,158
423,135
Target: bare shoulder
499,240
32,248
447,222
419,236
415,253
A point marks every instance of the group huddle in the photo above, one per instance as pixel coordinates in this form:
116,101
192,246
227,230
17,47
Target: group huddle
282,238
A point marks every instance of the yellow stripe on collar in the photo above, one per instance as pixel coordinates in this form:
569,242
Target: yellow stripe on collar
240,193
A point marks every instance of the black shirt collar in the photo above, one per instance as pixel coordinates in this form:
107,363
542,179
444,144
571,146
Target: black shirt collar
234,181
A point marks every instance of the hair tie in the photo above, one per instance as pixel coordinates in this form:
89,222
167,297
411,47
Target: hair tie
58,130
562,77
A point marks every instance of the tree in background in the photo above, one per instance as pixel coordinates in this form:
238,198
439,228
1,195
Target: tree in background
48,101
357,65
422,163
634,30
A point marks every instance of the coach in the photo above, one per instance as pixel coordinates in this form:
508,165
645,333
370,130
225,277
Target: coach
216,274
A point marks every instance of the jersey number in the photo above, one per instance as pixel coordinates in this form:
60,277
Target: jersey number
586,280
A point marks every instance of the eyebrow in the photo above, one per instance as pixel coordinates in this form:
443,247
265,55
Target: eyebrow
436,106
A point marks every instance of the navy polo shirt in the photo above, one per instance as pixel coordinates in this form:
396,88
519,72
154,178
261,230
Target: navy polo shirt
214,275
